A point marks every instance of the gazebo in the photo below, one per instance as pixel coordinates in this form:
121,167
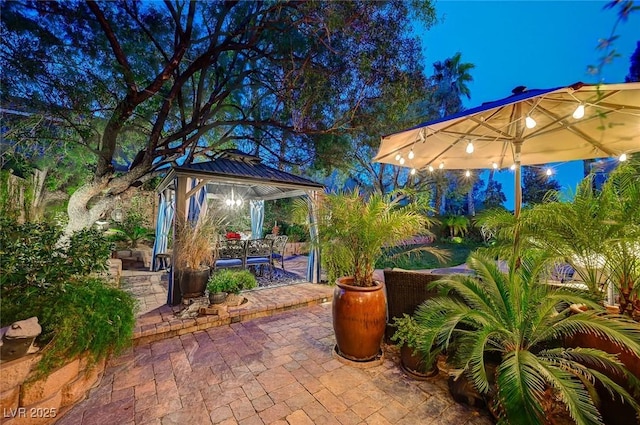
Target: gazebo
184,191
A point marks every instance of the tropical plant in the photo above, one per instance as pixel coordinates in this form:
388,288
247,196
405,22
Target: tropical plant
520,323
597,232
456,224
133,230
353,230
196,242
231,281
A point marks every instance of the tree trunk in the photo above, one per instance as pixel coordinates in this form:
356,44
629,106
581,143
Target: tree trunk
470,204
81,216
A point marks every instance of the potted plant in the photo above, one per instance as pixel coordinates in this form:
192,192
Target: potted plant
226,281
505,333
352,232
195,254
407,335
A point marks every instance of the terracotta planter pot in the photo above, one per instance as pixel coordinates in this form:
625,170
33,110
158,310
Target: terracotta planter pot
413,364
217,297
359,318
193,282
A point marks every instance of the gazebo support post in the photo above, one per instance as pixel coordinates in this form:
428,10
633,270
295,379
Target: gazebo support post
174,295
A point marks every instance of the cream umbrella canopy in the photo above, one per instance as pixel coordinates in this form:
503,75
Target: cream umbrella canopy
530,127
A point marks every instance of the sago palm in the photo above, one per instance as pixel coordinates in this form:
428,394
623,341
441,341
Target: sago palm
521,323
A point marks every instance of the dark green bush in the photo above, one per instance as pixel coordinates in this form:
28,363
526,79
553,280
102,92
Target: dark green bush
232,281
54,281
297,233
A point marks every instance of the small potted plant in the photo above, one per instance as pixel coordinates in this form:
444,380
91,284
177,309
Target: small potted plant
226,281
412,360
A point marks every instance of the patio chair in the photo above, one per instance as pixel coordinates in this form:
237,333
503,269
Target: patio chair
259,252
406,290
231,253
279,244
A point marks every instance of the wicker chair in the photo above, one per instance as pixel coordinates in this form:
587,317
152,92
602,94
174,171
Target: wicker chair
406,290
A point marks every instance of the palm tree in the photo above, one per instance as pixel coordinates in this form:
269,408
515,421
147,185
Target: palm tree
522,323
451,78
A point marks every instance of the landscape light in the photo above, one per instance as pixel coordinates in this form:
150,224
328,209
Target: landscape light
579,112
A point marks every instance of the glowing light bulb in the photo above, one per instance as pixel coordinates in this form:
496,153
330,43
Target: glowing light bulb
470,147
398,156
467,173
413,171
529,122
494,166
622,157
441,166
513,167
411,154
579,112
228,202
401,161
430,168
238,202
549,172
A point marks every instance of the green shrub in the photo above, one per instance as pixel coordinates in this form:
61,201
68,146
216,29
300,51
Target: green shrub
42,277
297,233
232,281
407,331
132,230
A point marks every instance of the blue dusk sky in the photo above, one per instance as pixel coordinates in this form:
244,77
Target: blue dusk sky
537,44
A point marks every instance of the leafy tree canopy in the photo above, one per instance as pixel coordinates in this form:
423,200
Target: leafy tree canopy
142,85
536,185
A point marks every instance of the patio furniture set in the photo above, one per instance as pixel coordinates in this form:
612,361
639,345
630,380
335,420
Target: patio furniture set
251,252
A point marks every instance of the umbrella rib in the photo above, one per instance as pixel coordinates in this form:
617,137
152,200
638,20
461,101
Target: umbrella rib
569,127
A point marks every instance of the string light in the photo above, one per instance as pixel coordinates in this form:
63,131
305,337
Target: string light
579,112
622,157
467,173
411,154
529,122
469,147
430,169
495,166
441,166
549,172
413,171
401,161
398,156
513,167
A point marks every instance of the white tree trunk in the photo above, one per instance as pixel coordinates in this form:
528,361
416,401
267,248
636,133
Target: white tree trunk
81,216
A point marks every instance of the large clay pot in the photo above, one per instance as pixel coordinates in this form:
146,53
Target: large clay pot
193,282
359,318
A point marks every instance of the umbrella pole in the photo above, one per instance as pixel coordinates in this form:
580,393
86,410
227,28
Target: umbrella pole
518,178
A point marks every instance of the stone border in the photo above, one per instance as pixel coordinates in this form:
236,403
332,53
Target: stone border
43,401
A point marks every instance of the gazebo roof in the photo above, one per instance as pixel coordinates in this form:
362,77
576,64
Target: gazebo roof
246,174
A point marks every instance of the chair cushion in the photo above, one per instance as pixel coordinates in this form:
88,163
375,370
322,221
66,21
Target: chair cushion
258,260
229,263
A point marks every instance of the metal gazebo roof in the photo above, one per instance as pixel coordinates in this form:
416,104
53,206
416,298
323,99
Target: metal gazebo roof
246,174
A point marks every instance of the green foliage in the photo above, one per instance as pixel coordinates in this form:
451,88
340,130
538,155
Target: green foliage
494,197
536,185
51,280
520,323
353,231
296,233
133,230
408,332
231,281
457,225
33,256
413,258
87,316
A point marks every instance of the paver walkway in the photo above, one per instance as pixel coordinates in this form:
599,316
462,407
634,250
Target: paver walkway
271,370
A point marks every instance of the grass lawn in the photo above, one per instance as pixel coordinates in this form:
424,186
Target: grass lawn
458,253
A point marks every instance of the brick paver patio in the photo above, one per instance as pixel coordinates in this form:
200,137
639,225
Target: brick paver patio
270,370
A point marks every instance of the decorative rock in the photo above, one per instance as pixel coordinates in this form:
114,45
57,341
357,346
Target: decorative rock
77,389
18,339
9,399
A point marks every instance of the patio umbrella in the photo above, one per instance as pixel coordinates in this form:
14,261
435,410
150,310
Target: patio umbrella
530,127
